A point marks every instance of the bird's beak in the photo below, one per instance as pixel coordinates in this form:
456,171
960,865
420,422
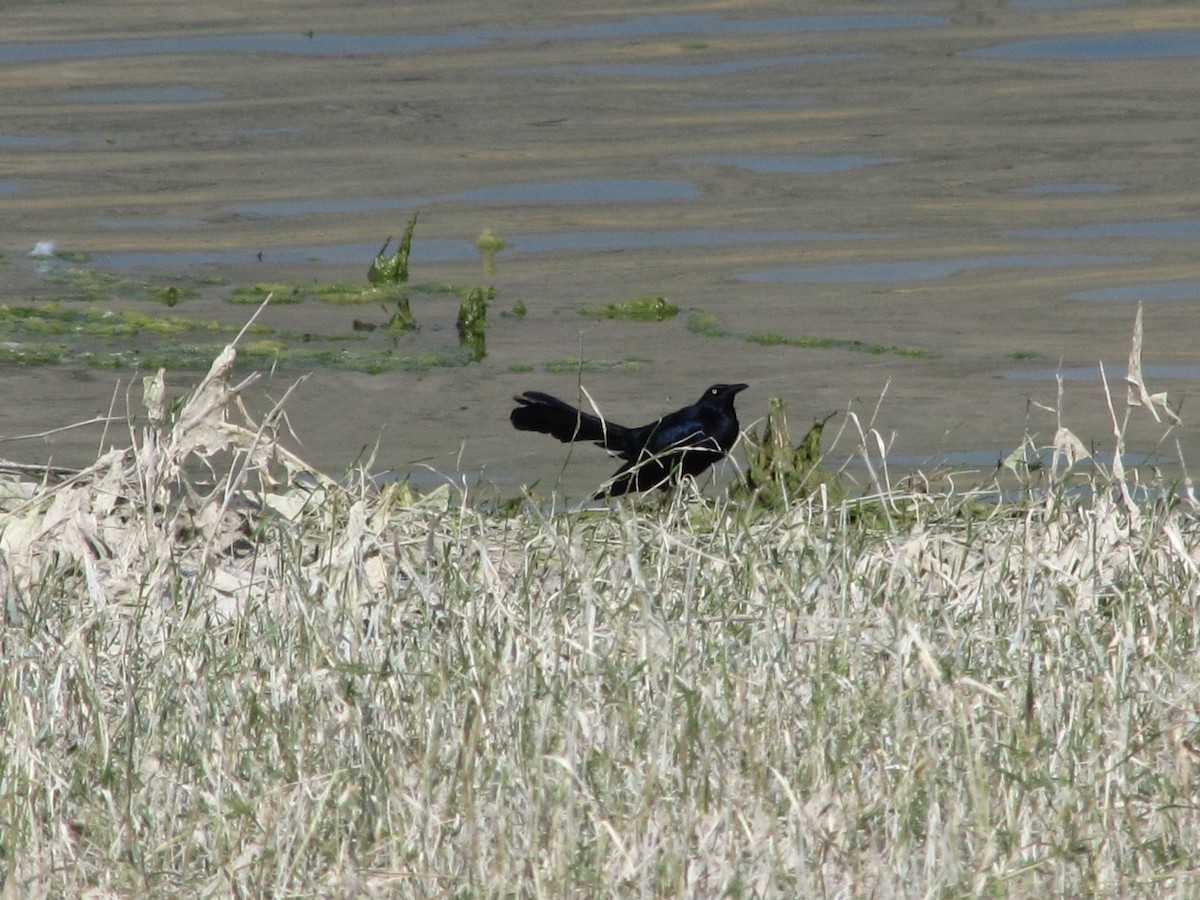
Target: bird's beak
737,388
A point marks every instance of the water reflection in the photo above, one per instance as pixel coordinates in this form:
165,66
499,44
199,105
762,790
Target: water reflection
154,224
1182,228
259,132
792,165
426,250
1079,188
13,140
1062,5
393,44
422,251
754,103
1124,45
703,23
144,95
982,459
317,44
634,240
587,190
1155,290
923,270
684,70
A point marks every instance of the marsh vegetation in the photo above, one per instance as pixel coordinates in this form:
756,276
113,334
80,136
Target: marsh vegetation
256,680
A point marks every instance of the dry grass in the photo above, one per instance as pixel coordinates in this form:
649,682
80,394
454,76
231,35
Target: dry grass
260,689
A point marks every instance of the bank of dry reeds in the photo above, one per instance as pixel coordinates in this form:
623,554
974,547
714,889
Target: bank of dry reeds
255,684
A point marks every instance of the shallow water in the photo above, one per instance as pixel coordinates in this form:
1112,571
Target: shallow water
921,270
325,44
1182,228
1063,5
792,165
1118,47
933,177
1152,291
13,140
292,43
144,95
445,250
587,190
706,24
684,70
752,103
1071,189
150,224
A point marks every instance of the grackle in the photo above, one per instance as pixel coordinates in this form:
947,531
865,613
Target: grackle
685,442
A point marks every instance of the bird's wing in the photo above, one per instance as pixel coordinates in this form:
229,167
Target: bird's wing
676,432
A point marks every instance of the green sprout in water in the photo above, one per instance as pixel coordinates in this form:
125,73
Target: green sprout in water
109,339
402,319
489,244
472,324
170,294
393,269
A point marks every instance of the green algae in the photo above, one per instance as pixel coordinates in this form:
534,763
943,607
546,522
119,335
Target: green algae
402,319
640,309
828,343
86,284
336,293
592,366
472,324
392,340
379,363
93,287
705,324
708,325
393,269
52,318
32,354
489,244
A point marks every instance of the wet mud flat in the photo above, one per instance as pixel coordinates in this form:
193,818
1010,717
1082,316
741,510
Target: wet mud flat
920,217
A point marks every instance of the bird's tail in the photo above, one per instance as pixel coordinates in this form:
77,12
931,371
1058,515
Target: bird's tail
549,415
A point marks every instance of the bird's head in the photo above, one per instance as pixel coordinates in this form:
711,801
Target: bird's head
722,394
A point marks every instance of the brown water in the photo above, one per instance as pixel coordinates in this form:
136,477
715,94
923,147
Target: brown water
791,170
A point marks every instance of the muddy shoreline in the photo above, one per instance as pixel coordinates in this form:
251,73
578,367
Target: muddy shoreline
961,140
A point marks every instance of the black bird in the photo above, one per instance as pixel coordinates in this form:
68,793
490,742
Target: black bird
685,442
